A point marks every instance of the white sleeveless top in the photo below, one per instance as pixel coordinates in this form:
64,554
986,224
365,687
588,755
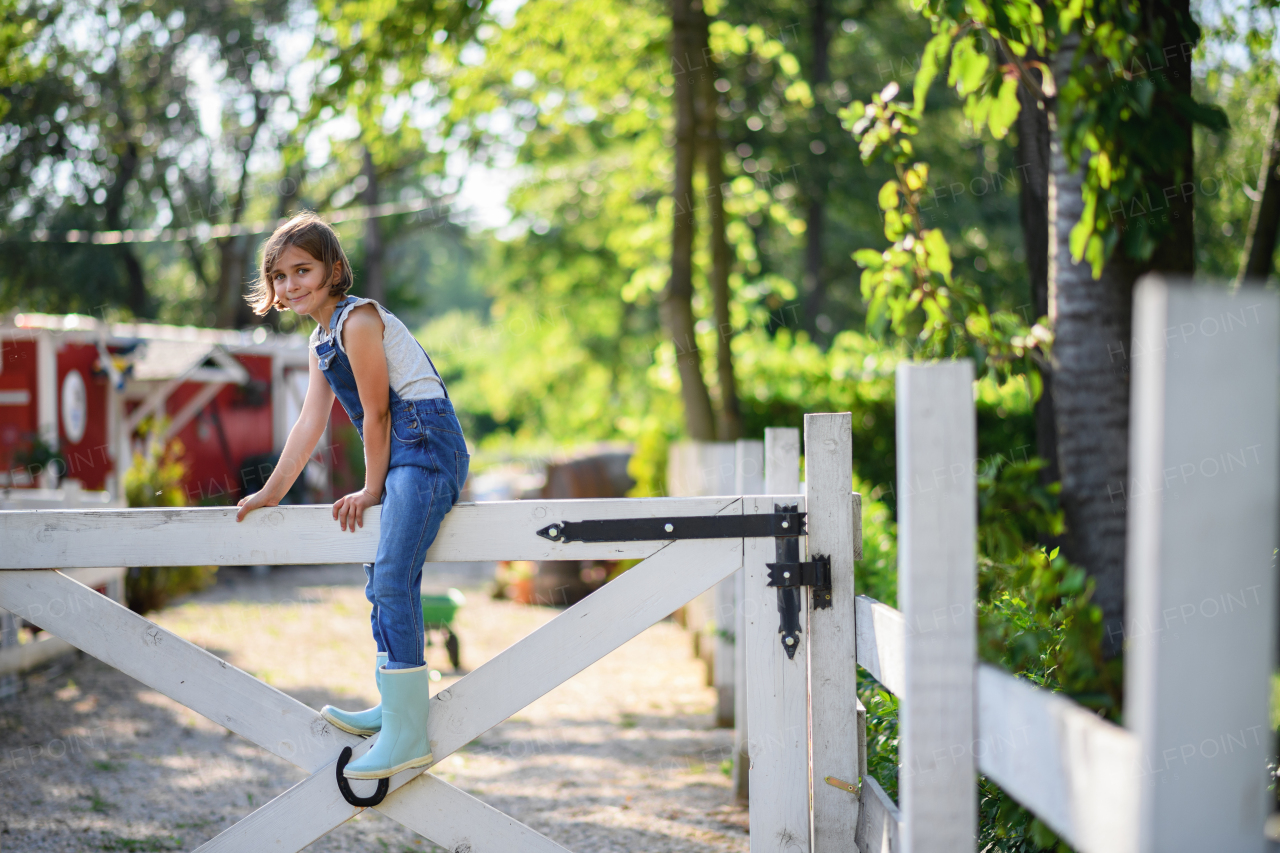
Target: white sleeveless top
409,370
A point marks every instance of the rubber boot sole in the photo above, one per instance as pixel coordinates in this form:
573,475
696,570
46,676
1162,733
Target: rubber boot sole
383,774
346,728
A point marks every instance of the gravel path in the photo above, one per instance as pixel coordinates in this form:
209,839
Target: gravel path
621,758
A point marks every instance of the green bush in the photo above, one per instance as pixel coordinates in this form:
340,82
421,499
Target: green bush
1036,619
155,480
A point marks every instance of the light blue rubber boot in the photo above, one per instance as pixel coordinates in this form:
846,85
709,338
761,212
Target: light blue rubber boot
402,743
366,722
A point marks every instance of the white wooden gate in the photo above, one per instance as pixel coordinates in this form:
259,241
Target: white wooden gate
672,573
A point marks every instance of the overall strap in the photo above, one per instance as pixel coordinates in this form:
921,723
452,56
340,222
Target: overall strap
338,311
443,387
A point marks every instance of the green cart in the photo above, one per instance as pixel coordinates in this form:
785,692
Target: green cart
437,615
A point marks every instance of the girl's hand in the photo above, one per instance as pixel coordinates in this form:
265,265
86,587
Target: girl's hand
254,501
349,510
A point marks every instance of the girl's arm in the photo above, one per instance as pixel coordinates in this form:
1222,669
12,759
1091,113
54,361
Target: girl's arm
362,339
300,444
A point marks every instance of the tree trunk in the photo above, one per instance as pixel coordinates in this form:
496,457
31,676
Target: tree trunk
677,299
1033,167
374,286
136,296
815,283
233,252
1092,335
729,427
1092,330
1260,241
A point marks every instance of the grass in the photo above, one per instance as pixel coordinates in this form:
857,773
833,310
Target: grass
96,803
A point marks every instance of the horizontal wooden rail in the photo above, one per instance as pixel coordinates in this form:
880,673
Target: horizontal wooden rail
879,821
881,633
1077,772
498,530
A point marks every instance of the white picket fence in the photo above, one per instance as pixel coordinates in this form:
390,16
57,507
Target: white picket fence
1188,772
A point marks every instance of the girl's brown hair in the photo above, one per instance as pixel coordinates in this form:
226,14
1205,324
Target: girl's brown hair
312,235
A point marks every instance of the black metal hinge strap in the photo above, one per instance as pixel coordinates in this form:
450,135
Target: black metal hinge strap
787,552
762,526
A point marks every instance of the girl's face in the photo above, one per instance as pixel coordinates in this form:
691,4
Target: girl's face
301,282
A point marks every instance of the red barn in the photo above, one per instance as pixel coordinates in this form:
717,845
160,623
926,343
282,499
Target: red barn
76,392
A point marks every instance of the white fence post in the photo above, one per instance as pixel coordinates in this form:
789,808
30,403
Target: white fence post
703,469
937,580
777,696
781,461
1201,579
749,471
834,531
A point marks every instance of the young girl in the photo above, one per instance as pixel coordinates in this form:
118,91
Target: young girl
415,464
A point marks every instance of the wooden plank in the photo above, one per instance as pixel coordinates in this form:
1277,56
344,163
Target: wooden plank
833,665
18,658
937,585
457,821
882,643
781,461
879,821
777,696
1073,769
169,664
720,477
498,530
749,480
447,816
1205,421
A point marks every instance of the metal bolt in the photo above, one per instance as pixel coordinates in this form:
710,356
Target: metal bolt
555,531
786,524
669,528
790,641
786,574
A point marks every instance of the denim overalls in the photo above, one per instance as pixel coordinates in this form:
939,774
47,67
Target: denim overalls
429,463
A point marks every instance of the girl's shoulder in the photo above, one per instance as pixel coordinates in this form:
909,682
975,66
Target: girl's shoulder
372,319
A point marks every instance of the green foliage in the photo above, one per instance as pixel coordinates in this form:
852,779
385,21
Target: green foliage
648,465
1119,113
155,480
882,732
877,574
1035,619
909,287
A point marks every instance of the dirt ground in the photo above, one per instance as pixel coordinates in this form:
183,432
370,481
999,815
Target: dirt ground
621,758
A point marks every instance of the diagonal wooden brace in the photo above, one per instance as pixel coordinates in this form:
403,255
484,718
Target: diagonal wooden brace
557,651
256,711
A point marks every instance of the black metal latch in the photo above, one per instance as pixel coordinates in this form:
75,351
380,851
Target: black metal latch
777,525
